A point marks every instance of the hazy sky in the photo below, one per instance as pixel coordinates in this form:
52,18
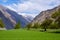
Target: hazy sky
30,7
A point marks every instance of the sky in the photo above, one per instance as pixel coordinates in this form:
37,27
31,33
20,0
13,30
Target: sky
29,7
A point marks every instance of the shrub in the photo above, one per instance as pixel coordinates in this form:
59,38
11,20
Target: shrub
17,26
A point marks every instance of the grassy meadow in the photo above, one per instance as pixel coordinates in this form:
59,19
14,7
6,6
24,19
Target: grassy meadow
23,34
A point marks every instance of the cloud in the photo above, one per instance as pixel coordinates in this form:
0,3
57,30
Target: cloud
33,7
47,2
27,15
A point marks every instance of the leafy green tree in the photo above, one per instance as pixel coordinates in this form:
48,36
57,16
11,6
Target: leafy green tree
56,16
17,26
29,25
1,23
58,21
36,25
53,25
46,23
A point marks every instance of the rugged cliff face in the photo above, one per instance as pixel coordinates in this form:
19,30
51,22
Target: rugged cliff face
45,14
10,18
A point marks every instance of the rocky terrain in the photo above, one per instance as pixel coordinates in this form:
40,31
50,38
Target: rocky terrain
10,18
45,14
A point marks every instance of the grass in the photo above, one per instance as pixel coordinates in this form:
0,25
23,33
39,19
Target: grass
23,34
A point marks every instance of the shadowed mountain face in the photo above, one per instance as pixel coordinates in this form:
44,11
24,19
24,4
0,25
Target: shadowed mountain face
10,18
45,14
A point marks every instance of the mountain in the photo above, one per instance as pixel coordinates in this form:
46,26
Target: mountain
28,18
45,14
10,18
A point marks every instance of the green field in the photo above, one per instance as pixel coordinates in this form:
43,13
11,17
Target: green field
27,35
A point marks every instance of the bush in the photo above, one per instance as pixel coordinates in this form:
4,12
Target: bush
36,25
1,24
54,26
17,26
29,25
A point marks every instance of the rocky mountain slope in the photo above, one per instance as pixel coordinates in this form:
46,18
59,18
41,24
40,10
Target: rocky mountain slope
45,14
10,18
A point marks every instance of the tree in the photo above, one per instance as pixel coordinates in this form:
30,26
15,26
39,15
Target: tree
46,23
58,21
17,26
29,25
53,25
1,23
56,16
36,25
